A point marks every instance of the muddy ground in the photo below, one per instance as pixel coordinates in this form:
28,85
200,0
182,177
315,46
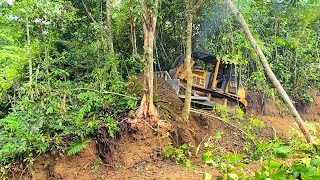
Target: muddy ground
138,154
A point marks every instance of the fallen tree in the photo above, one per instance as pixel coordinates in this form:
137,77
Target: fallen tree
269,72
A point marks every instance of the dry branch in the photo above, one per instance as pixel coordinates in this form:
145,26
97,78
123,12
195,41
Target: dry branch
224,121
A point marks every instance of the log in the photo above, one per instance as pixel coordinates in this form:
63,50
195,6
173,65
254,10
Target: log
269,72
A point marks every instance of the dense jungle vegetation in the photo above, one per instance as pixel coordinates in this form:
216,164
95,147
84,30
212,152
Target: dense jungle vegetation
60,77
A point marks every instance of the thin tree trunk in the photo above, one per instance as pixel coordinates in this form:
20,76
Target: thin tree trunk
133,34
108,28
103,41
191,10
269,72
46,57
29,52
147,109
187,61
110,36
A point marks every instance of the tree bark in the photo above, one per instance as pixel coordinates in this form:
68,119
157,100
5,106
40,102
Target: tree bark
110,36
147,109
187,103
133,34
191,9
29,52
109,27
269,72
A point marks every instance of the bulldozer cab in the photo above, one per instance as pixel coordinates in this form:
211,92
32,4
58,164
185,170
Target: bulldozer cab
212,74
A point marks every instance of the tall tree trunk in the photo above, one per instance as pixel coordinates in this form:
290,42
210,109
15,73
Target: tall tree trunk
110,36
191,10
187,61
147,109
133,34
29,52
269,72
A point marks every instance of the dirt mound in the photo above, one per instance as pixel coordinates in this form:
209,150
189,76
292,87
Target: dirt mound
282,127
311,112
80,166
132,146
86,165
259,104
277,116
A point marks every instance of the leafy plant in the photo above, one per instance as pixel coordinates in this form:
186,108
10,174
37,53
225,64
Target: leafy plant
305,168
181,155
209,157
222,111
228,164
307,98
239,115
77,146
112,126
96,165
271,149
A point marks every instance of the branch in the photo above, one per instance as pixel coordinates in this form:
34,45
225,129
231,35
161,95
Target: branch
94,90
88,12
196,6
91,17
223,121
104,92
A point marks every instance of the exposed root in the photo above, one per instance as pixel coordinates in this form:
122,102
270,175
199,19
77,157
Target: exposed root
107,146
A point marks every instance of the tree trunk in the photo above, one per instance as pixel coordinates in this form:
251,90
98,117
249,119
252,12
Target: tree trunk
133,34
29,52
191,10
110,36
269,72
147,109
187,61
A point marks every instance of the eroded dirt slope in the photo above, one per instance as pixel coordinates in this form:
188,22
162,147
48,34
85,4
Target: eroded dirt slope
139,154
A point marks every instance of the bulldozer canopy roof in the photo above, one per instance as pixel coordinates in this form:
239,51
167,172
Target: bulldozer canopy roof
205,57
212,59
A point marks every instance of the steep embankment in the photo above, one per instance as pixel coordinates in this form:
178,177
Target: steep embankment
276,115
137,154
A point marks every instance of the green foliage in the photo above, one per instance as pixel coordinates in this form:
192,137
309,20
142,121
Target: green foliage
181,155
222,111
232,166
112,126
96,165
209,157
271,149
76,147
207,176
228,164
286,33
305,168
307,98
239,115
70,94
283,151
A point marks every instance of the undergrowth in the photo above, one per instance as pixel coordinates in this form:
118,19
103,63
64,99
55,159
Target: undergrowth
277,159
59,116
180,155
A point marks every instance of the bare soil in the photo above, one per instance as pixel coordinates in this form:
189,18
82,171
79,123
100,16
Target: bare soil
138,154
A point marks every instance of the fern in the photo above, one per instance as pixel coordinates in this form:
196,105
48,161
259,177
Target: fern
77,147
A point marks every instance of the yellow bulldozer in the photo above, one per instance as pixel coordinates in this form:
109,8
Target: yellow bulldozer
214,80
